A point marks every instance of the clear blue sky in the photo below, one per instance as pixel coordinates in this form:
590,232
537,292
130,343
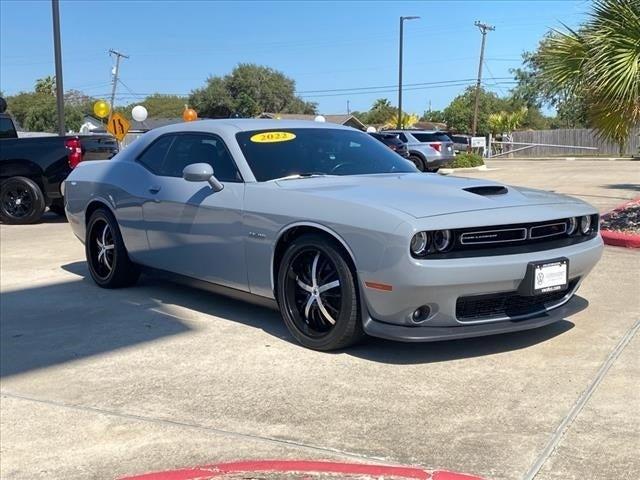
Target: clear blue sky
174,46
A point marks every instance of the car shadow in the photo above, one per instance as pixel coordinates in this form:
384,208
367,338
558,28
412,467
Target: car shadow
634,187
372,349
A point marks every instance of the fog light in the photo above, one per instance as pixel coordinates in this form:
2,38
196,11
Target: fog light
420,314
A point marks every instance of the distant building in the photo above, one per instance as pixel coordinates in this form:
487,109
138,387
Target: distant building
343,119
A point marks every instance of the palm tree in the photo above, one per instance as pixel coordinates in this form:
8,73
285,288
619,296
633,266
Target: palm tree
505,122
46,85
601,62
408,120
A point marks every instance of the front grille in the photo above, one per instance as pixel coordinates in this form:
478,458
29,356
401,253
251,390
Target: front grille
507,304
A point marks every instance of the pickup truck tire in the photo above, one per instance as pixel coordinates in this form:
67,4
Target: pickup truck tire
107,257
417,161
21,201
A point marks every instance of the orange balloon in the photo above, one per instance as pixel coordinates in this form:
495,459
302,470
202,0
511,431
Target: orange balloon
189,115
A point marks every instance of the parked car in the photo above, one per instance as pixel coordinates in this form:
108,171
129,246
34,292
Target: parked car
334,229
461,142
33,168
392,141
428,149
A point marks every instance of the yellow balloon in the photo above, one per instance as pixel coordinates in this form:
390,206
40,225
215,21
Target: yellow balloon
101,108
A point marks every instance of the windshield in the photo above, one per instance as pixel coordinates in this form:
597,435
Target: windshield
279,153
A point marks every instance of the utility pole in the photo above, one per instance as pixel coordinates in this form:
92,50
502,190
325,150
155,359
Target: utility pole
402,19
115,77
484,28
348,108
55,10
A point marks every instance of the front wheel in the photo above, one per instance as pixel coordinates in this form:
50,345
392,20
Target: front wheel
317,294
107,256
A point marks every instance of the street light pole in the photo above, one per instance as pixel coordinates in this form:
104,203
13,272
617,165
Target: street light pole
402,19
55,11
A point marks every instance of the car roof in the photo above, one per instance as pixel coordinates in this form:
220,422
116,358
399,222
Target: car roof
412,130
235,125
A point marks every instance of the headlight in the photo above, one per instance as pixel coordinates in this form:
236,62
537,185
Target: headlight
442,240
572,226
419,243
585,225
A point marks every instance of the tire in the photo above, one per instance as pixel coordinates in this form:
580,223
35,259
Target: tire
417,161
308,311
57,207
109,267
21,201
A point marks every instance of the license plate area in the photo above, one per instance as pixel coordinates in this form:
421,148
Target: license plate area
545,277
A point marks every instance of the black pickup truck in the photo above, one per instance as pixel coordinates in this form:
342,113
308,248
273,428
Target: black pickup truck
32,169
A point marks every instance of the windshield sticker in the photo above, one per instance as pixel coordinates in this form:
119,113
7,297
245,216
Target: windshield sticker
272,137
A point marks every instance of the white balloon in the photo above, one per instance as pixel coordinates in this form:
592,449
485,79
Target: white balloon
139,113
371,129
319,118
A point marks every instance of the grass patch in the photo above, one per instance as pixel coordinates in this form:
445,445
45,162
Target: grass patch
467,160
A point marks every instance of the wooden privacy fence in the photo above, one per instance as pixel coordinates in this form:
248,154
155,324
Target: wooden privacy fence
582,137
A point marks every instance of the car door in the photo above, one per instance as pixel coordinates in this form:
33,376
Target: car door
191,229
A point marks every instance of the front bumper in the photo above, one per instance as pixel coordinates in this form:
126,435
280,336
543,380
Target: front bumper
434,334
438,284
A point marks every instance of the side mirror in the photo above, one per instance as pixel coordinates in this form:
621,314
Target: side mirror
201,172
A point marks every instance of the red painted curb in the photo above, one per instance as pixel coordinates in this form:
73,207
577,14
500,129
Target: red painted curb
299,466
619,239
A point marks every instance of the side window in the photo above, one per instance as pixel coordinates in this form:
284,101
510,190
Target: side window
200,148
403,137
153,156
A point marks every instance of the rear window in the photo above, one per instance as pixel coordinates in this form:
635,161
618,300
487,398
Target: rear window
431,137
6,128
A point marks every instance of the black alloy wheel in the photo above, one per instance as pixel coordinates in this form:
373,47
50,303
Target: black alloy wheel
317,294
21,201
106,254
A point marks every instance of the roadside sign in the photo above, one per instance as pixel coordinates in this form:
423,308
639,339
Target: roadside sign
478,142
118,126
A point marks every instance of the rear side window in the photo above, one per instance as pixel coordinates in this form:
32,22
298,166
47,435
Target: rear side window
432,137
153,156
6,128
200,148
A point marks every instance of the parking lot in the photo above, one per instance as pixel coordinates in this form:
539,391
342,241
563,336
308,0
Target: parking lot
101,384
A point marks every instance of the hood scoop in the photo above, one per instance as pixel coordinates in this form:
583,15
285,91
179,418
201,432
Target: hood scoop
487,190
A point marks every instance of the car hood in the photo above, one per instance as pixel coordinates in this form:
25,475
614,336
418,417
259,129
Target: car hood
423,195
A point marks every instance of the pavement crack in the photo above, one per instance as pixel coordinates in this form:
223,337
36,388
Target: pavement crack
196,426
582,400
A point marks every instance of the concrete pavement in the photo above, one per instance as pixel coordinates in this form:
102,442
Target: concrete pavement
98,384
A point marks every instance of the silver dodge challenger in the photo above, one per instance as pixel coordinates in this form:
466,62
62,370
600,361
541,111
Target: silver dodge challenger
341,234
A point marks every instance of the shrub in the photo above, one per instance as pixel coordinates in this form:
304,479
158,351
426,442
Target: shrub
467,160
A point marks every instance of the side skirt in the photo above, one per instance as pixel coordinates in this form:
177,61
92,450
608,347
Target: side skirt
212,287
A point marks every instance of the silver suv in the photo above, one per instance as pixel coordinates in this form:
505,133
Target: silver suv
428,149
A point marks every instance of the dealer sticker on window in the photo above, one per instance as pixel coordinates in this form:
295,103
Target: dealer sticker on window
549,277
272,137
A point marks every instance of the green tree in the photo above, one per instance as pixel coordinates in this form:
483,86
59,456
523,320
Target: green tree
38,112
459,114
46,85
248,91
160,106
381,111
433,116
599,62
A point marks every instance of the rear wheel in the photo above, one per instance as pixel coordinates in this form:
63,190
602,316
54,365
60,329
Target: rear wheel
417,161
317,294
107,256
21,201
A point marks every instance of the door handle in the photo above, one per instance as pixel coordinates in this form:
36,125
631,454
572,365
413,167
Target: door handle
155,189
